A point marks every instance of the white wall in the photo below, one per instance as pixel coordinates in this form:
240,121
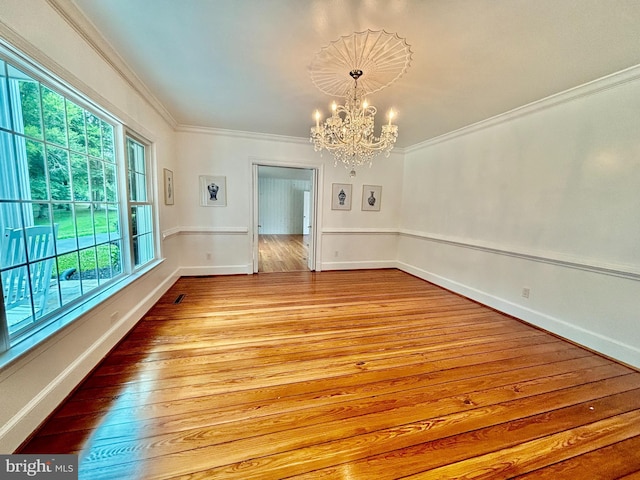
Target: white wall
545,198
217,240
281,205
365,239
34,385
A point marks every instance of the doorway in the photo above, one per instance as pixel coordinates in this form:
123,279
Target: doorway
284,217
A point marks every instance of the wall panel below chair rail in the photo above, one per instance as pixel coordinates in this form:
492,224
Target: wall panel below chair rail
215,251
359,248
595,308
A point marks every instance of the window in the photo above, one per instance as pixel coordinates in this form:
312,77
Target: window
66,228
141,213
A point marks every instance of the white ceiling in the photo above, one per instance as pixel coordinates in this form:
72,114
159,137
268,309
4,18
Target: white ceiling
243,64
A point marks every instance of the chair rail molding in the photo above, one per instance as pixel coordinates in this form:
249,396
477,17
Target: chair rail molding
359,231
204,231
628,271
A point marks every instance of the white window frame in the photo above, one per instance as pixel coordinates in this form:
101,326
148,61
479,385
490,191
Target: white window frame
10,348
151,198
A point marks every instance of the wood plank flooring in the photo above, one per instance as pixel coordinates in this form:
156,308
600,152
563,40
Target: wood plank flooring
282,253
360,375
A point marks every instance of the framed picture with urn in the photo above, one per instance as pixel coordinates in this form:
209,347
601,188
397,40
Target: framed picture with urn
213,191
341,196
371,197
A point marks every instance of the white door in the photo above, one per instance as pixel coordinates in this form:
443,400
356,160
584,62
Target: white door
256,217
306,214
310,201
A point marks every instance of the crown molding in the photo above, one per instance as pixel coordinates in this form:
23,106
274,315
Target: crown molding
242,134
272,137
613,80
36,61
92,36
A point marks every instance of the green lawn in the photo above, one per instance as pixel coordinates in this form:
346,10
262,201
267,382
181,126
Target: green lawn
84,222
102,221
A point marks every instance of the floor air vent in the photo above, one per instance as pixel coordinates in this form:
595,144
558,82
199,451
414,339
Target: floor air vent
179,298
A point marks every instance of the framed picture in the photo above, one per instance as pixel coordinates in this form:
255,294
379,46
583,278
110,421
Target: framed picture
371,197
213,191
341,196
168,187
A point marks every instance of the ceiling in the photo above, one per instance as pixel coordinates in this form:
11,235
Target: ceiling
243,64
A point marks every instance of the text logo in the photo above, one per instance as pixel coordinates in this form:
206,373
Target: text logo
50,467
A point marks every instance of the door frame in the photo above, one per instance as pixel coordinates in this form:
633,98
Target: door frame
315,240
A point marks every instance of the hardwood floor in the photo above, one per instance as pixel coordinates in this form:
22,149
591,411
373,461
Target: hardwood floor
282,253
355,375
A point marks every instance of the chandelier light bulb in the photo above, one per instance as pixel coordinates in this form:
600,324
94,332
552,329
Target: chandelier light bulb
391,115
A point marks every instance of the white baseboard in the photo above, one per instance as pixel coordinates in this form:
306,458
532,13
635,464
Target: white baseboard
607,346
215,270
18,428
363,265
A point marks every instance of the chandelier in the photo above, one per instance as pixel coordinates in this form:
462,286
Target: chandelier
348,133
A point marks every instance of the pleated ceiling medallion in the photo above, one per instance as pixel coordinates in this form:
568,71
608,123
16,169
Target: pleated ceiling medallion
352,67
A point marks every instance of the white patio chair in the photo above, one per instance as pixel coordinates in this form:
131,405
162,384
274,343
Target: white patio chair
40,242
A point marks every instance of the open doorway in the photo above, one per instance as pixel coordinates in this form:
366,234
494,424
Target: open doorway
285,211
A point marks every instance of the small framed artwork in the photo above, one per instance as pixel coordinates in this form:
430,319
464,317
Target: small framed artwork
371,197
168,187
341,196
213,191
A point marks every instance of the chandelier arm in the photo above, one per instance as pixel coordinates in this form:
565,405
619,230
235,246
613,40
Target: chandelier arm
375,147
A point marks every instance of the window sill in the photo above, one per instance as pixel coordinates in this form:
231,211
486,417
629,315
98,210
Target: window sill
61,323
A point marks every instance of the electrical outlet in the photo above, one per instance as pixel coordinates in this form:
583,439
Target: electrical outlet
335,254
208,255
525,292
